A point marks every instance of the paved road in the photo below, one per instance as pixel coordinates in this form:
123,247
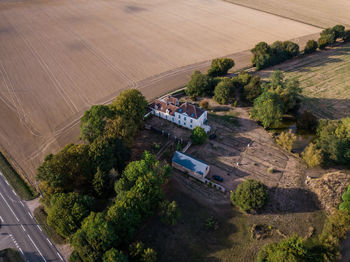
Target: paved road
20,230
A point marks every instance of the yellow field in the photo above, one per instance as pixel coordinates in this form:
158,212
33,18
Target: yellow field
321,13
57,58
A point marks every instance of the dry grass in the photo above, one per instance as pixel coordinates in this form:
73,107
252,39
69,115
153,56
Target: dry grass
58,58
325,80
323,13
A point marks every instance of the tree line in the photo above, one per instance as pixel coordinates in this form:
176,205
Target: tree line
265,55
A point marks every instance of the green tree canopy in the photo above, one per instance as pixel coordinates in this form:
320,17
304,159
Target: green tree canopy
131,104
114,255
95,237
199,85
224,91
220,67
310,47
262,55
93,122
250,195
252,89
169,212
67,211
267,109
198,136
100,183
286,140
312,156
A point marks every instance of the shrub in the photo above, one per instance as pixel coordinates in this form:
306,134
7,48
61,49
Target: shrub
149,255
346,36
262,55
250,195
312,156
310,47
322,43
345,206
198,136
286,140
170,212
204,104
346,196
220,67
307,121
291,49
252,89
199,85
339,31
270,170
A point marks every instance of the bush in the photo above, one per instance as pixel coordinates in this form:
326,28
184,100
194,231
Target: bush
170,212
339,31
270,170
346,36
199,85
204,104
291,49
345,206
307,121
322,43
312,156
220,67
198,136
250,195
346,196
252,89
286,140
310,47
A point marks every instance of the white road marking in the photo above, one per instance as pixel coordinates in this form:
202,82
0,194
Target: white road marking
30,215
36,248
23,228
21,251
1,219
39,228
6,182
21,203
9,207
14,192
59,256
49,241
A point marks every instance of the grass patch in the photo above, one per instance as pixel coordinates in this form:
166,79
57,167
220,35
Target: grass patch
40,216
228,117
24,190
11,255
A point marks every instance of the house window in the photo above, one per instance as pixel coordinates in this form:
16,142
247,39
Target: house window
173,118
179,116
185,118
184,123
191,120
166,117
179,122
190,126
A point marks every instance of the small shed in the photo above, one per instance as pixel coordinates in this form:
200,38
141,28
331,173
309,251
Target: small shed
190,165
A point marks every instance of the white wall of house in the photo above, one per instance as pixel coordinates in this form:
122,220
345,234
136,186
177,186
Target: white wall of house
182,119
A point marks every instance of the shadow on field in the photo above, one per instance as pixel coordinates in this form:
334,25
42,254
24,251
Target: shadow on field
291,200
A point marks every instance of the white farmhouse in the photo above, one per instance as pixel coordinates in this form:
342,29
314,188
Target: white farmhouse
186,114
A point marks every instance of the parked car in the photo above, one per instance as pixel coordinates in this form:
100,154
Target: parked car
218,178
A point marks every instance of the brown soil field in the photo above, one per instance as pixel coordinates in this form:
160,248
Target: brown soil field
57,58
325,13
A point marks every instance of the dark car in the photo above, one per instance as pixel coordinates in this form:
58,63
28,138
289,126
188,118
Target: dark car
218,178
212,136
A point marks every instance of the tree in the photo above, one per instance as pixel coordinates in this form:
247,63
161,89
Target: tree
346,36
69,169
114,255
339,31
346,195
329,34
136,250
220,67
224,91
109,152
131,104
345,206
307,121
291,49
286,140
122,128
244,78
204,104
199,85
67,211
267,109
310,47
262,55
95,237
250,195
312,156
149,255
292,249
279,52
198,136
253,89
93,122
322,43
100,183
170,212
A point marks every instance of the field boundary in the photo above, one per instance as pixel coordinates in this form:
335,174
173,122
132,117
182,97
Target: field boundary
271,13
24,190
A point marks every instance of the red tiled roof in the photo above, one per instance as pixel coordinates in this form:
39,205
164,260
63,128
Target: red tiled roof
171,100
163,107
190,110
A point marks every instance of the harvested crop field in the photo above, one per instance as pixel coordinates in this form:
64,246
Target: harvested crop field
325,81
325,13
57,58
